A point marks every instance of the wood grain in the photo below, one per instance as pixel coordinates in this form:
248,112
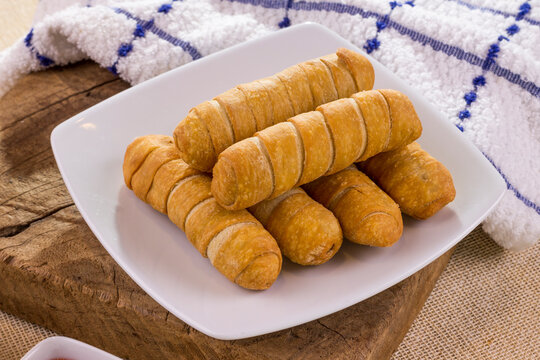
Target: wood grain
55,273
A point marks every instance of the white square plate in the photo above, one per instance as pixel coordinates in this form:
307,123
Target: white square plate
89,150
60,347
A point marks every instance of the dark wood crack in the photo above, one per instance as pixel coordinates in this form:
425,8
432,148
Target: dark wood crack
13,230
57,102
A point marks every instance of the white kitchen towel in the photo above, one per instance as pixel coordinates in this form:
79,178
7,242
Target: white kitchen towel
478,61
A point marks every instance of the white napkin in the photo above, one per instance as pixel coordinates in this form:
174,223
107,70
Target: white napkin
477,61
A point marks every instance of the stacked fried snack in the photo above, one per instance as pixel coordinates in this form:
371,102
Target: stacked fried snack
313,144
306,125
238,113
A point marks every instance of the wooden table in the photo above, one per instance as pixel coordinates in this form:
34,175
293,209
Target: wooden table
55,273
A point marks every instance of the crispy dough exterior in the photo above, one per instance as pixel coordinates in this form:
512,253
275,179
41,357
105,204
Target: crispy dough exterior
360,68
239,113
342,77
292,150
419,183
241,249
367,215
138,150
193,140
208,218
217,123
263,210
260,103
284,149
347,130
254,106
279,98
307,233
248,248
297,85
242,176
142,179
167,176
320,82
377,119
318,148
185,196
336,184
281,104
406,126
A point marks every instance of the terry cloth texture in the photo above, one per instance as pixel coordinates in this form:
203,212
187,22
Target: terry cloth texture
484,306
477,61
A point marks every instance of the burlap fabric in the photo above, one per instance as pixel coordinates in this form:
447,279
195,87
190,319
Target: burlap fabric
485,305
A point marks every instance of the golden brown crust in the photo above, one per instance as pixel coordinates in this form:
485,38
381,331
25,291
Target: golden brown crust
327,189
377,119
306,232
192,139
219,128
342,78
284,148
367,215
137,152
295,150
312,236
318,146
362,221
263,210
189,192
167,176
261,273
142,179
254,106
207,219
260,103
236,242
253,250
242,176
348,132
236,107
419,183
406,126
297,85
360,68
320,82
281,104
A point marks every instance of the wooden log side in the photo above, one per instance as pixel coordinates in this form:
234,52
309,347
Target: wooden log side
55,273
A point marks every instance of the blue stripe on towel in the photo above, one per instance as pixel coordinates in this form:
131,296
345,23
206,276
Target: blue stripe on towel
43,60
489,62
374,43
268,4
150,26
286,22
436,45
494,11
529,203
480,81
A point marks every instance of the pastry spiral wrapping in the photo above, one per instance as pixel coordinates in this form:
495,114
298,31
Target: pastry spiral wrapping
419,183
313,144
234,241
307,233
367,215
238,113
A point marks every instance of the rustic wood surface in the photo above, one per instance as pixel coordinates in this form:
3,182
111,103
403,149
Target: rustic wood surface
55,273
